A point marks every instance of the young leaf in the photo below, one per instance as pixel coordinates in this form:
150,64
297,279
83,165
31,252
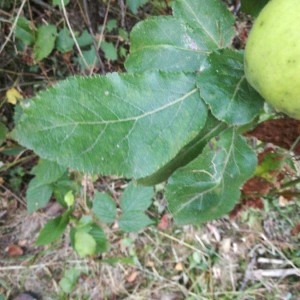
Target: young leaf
64,42
104,208
209,186
24,31
53,229
69,280
40,187
211,19
134,221
122,124
99,236
37,195
110,51
135,4
3,132
224,88
136,198
85,244
45,41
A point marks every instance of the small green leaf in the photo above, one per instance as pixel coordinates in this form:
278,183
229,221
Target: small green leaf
134,201
104,207
110,51
58,2
45,41
253,7
99,236
85,244
37,195
64,42
53,230
3,132
134,221
224,88
135,4
24,31
136,198
69,280
69,198
111,25
85,39
209,186
40,187
89,59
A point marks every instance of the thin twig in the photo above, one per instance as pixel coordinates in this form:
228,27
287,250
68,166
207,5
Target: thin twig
89,26
72,34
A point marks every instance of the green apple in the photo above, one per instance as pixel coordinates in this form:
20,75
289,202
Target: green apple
272,55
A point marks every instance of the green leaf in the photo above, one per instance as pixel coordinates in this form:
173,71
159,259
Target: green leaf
182,42
136,198
134,201
253,7
224,88
209,186
58,2
210,19
104,207
24,31
40,187
53,230
165,43
48,171
69,280
45,41
110,51
135,4
85,39
99,236
134,221
3,132
89,59
189,152
37,195
122,124
64,42
85,244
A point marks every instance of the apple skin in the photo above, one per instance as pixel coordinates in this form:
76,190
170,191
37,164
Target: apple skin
272,55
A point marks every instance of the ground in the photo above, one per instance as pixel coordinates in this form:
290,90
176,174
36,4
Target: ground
251,254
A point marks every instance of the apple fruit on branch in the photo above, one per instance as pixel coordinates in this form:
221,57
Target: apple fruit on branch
272,55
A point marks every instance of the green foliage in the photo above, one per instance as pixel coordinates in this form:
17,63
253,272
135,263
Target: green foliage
133,203
3,132
175,116
69,280
135,4
53,229
41,187
45,41
253,7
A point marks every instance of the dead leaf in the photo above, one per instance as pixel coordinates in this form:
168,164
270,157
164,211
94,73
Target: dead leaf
282,132
164,222
13,95
14,250
132,276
